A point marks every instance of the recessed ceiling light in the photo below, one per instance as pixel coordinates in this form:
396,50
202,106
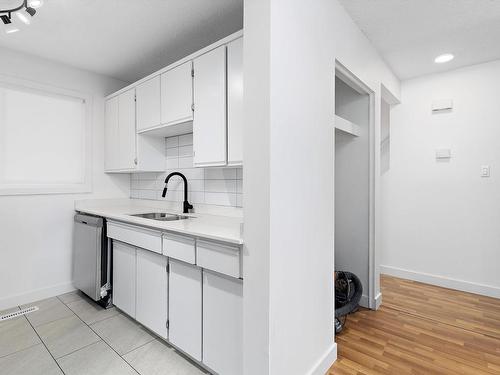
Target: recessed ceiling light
11,31
444,58
23,18
35,3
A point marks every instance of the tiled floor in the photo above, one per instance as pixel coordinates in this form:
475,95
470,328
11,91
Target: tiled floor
70,334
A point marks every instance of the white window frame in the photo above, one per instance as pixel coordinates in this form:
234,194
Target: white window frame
85,186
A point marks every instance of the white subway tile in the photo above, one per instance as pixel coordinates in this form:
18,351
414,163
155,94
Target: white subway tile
197,197
172,163
134,184
172,152
134,194
192,173
147,194
220,173
185,151
220,186
185,162
220,199
172,142
239,186
239,173
147,176
239,200
147,185
196,185
186,139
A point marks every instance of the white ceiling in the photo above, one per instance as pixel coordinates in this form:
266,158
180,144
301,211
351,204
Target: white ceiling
125,39
411,33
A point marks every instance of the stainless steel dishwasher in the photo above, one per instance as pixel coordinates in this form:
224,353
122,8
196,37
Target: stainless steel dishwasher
92,258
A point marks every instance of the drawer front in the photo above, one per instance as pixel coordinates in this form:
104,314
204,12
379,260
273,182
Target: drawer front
137,236
179,247
224,259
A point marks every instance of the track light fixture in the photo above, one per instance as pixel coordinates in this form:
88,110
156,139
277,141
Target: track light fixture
22,11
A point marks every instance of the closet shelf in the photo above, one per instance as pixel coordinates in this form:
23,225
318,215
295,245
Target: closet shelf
347,126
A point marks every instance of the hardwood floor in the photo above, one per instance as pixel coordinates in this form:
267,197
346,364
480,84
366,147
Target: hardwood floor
421,329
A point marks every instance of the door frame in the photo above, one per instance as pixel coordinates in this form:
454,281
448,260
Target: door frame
349,78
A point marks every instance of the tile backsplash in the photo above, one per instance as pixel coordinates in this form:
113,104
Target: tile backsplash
213,186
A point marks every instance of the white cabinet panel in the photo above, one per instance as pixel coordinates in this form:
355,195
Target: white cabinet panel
223,324
177,94
209,124
152,291
127,133
235,102
142,237
225,259
179,247
111,134
185,308
148,104
124,277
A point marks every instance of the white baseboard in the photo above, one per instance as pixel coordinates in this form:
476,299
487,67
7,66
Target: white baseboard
364,301
35,295
325,362
378,301
445,282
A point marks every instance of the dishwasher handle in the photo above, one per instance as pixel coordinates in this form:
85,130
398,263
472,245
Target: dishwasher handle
89,220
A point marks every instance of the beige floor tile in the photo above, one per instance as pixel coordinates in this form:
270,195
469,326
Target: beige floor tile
156,358
16,334
90,312
96,359
73,296
35,360
50,309
122,333
66,335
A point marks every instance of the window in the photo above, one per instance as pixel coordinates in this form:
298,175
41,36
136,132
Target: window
44,140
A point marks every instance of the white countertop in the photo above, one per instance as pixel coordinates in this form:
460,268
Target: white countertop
205,225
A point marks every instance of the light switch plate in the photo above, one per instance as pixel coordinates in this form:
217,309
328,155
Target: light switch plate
485,171
443,153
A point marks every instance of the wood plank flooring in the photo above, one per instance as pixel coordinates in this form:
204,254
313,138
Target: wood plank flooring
421,329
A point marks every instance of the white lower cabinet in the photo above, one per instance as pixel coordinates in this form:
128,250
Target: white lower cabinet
124,277
223,323
185,308
152,291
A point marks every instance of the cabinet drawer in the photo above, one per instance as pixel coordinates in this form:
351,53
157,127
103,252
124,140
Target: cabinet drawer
224,259
179,247
141,237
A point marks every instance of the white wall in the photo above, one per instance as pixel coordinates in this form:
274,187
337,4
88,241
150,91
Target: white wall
36,231
291,46
441,219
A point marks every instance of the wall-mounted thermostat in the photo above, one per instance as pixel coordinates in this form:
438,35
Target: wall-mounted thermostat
440,105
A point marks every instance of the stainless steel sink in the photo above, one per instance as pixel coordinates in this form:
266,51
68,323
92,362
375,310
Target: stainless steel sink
161,216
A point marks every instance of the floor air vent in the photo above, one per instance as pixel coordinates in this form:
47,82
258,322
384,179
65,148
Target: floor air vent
15,314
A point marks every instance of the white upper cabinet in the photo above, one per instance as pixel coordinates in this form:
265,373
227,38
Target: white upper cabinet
209,124
177,95
235,102
111,135
126,126
148,104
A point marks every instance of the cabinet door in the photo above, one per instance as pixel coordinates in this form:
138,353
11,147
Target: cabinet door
177,95
235,102
223,324
148,104
124,276
209,123
111,146
152,291
127,132
185,308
